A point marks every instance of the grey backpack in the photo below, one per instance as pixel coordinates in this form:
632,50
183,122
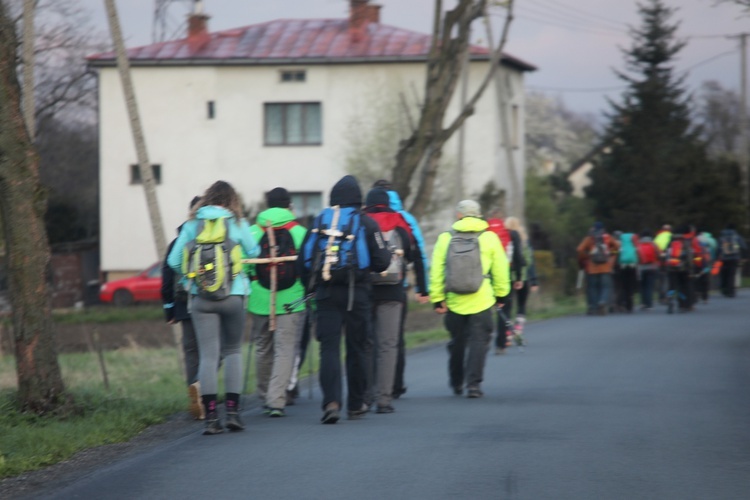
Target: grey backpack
463,263
395,272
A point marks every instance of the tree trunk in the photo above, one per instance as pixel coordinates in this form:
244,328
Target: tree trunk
22,205
423,149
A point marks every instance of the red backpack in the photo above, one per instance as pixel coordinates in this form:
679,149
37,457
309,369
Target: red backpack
497,226
648,253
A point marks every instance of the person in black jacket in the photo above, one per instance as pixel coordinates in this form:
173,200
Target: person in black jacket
389,298
174,297
345,304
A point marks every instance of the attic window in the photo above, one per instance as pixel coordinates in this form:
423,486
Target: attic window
293,76
135,174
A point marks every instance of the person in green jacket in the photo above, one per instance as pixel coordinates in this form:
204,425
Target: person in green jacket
662,239
468,315
276,351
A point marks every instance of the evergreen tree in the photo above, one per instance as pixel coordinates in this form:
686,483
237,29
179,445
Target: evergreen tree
658,170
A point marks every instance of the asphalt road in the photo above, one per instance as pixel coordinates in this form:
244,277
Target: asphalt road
641,406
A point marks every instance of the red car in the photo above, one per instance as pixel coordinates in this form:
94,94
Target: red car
144,287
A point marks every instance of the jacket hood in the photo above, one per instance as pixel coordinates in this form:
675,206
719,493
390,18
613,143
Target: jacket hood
346,192
276,216
395,201
387,219
470,225
213,212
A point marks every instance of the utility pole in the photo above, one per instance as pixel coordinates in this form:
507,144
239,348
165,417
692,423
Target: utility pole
144,164
461,167
743,132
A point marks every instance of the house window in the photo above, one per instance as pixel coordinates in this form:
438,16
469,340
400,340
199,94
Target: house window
135,174
211,110
293,124
307,205
293,76
515,132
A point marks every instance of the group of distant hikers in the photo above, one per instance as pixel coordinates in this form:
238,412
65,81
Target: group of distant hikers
347,274
677,266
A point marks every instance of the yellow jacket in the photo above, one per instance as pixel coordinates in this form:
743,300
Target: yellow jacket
662,240
494,263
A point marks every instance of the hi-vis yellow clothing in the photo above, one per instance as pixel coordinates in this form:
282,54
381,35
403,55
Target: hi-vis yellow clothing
494,264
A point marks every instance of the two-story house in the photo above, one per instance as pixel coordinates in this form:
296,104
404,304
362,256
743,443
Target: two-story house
269,105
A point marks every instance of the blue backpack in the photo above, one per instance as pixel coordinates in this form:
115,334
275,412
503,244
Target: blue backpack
337,246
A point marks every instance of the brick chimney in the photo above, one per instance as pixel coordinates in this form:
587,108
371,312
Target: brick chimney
361,14
198,27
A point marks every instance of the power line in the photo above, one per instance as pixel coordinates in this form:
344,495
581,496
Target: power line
574,23
710,59
579,90
581,15
576,29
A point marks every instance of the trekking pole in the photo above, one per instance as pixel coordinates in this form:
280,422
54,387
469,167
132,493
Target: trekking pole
247,363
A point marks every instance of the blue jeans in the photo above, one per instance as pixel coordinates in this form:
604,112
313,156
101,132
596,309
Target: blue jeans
598,289
648,279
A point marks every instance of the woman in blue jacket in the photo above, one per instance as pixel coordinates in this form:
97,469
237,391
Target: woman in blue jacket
218,319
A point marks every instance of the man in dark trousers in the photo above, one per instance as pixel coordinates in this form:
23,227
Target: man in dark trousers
341,249
732,247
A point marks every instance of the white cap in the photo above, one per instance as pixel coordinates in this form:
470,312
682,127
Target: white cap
469,208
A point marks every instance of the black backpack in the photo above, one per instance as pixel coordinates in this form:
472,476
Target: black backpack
286,273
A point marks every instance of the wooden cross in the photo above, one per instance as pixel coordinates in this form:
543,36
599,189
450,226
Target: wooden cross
274,260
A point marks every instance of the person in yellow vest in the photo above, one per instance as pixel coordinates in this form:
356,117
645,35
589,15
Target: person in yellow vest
662,239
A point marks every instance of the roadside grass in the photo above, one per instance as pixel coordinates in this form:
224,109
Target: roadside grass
146,387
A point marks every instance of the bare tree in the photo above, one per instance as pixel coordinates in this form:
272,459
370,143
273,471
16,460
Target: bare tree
420,153
22,206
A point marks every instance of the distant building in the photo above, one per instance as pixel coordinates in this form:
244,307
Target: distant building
578,175
267,105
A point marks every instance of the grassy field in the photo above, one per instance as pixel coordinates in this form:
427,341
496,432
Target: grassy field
146,387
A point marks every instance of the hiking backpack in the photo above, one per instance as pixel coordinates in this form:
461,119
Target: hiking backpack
648,253
730,246
286,274
600,251
212,260
627,256
395,272
679,254
337,246
463,263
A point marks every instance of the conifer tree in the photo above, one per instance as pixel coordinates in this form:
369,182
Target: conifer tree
658,170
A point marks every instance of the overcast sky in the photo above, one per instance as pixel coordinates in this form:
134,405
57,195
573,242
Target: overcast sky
574,43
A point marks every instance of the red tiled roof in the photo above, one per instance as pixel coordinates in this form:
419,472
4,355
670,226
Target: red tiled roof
288,41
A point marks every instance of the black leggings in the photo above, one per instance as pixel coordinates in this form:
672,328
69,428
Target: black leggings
522,297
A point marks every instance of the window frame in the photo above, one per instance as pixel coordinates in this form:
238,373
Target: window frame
284,123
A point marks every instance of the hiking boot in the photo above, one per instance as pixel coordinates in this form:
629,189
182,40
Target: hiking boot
459,390
331,414
195,407
397,393
234,423
499,351
357,414
276,413
213,424
385,409
474,392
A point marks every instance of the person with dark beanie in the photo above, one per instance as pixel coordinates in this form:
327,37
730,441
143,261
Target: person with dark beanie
732,248
276,350
389,297
175,301
340,251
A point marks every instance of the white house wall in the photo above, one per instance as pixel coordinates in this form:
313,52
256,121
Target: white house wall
195,151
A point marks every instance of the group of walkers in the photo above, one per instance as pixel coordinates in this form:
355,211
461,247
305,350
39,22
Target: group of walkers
347,274
677,267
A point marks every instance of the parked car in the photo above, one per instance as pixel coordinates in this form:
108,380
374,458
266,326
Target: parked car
143,287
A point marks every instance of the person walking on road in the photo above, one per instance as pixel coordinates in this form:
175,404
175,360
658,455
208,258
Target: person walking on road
276,346
627,262
468,278
529,282
175,301
208,252
421,294
648,268
389,295
732,248
340,251
596,254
